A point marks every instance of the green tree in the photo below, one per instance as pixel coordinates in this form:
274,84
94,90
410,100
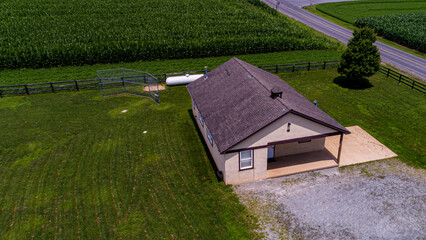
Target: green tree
361,59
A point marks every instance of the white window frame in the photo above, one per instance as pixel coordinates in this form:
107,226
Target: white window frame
247,159
209,137
201,119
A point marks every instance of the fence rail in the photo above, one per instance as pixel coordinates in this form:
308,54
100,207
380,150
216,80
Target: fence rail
77,85
300,66
413,84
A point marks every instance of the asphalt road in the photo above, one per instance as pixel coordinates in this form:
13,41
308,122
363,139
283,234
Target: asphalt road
395,57
304,3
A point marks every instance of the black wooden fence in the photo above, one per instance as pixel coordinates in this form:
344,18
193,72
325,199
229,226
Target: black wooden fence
77,85
413,84
300,66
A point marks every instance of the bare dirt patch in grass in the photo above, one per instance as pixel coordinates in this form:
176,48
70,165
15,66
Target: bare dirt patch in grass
161,87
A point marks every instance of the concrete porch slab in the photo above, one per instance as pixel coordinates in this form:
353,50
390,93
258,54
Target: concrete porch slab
358,147
302,162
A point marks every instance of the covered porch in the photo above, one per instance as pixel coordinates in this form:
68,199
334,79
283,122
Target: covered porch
301,162
303,155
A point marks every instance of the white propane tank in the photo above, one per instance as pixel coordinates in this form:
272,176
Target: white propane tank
178,80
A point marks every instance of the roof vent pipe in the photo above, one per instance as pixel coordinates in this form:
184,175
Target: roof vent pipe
205,73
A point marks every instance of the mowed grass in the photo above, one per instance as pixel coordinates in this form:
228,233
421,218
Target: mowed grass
73,167
69,73
393,114
46,33
352,10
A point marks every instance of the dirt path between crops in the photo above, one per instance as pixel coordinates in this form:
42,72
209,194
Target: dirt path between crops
377,200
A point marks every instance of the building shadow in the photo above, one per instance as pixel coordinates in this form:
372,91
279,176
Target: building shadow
206,149
359,84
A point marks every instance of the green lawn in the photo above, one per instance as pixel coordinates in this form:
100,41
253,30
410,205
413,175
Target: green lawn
72,166
345,13
23,76
352,10
393,114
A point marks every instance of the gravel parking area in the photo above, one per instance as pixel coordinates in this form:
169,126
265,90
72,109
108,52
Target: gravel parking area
377,200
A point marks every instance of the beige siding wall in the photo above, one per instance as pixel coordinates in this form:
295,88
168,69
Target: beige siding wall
217,157
295,147
277,131
233,175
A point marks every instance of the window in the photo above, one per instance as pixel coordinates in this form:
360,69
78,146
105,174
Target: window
209,137
305,141
201,119
246,159
193,108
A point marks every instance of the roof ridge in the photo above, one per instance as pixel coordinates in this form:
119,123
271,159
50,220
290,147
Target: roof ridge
280,100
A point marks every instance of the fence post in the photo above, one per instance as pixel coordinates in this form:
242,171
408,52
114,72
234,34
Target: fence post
293,67
324,64
124,84
0,94
412,85
388,72
309,66
51,86
76,85
26,90
399,80
165,77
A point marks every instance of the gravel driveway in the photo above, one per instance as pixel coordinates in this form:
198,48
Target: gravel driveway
378,200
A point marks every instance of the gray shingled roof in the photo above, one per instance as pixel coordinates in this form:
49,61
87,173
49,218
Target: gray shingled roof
235,102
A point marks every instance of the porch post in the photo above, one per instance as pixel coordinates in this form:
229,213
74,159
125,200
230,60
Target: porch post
340,148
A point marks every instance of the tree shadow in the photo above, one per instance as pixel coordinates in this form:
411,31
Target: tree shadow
206,149
359,84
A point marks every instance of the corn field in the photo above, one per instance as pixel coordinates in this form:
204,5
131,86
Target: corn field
46,33
406,29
